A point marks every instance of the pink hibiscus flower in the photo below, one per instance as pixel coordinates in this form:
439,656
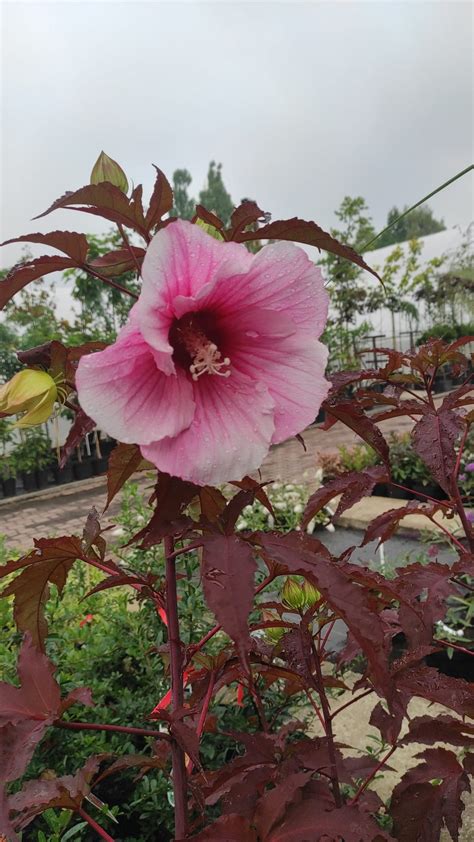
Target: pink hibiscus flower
220,357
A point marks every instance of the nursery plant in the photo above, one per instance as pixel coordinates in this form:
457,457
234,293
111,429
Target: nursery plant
220,359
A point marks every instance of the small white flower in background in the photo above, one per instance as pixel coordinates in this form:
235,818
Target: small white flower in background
311,525
249,509
298,509
279,506
330,527
118,531
242,524
270,520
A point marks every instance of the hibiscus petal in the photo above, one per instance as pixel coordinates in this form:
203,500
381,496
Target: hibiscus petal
229,437
182,262
128,397
281,277
292,369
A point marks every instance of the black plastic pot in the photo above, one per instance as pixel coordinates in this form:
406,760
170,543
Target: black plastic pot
29,481
321,417
398,493
42,477
99,466
82,470
107,446
62,475
459,666
380,490
9,487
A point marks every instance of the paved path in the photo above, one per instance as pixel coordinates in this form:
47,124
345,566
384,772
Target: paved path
63,510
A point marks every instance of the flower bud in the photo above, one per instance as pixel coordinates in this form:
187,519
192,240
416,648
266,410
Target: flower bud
106,169
311,594
275,634
209,229
32,392
293,594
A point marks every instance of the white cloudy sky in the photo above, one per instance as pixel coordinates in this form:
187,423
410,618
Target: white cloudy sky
303,102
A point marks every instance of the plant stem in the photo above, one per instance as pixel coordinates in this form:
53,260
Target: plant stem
203,715
316,709
130,249
98,829
177,694
424,199
350,702
108,281
372,776
455,646
120,729
319,687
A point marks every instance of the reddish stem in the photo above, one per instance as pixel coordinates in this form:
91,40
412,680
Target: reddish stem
130,250
460,452
108,281
203,715
180,787
440,503
325,638
447,533
371,776
120,729
316,709
319,687
98,829
455,646
350,702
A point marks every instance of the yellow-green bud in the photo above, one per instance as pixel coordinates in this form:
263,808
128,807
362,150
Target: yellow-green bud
293,594
275,634
209,229
32,392
106,169
311,594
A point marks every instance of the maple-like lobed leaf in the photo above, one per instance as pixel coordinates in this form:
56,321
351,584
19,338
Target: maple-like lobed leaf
308,821
247,213
23,274
353,485
443,729
124,461
420,806
50,355
49,563
353,416
172,496
434,437
301,231
161,200
229,828
71,243
273,804
81,426
108,201
228,569
383,526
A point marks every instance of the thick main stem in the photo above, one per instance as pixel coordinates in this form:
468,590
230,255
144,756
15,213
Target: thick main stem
177,694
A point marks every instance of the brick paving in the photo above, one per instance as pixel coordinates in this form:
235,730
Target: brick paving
62,511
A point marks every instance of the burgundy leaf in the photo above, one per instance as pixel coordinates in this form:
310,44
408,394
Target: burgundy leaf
428,796
248,213
208,217
172,496
427,682
434,437
75,354
23,273
301,553
353,485
383,526
91,535
50,355
124,460
273,804
78,696
82,425
49,563
70,243
228,569
118,262
301,231
249,484
161,200
66,792
107,201
212,502
26,711
187,739
442,729
353,416
308,822
230,828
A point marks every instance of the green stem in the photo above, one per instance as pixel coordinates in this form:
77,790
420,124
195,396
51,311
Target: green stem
424,199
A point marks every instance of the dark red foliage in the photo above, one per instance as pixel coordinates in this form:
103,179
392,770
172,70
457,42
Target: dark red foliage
434,437
82,425
23,273
352,486
429,796
124,460
161,201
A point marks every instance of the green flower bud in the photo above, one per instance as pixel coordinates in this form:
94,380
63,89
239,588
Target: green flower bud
293,594
209,229
31,392
311,594
106,169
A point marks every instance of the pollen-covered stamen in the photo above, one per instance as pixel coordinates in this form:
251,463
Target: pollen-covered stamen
208,360
204,354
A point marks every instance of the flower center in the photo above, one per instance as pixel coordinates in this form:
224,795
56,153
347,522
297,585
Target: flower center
199,354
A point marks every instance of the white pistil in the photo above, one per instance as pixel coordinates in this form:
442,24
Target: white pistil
207,360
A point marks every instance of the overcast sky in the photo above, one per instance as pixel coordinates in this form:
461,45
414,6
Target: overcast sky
302,102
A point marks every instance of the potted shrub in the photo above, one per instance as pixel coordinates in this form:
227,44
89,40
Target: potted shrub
25,458
100,460
62,475
82,467
358,458
401,456
8,475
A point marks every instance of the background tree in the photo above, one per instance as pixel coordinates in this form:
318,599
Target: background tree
418,223
214,196
184,206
